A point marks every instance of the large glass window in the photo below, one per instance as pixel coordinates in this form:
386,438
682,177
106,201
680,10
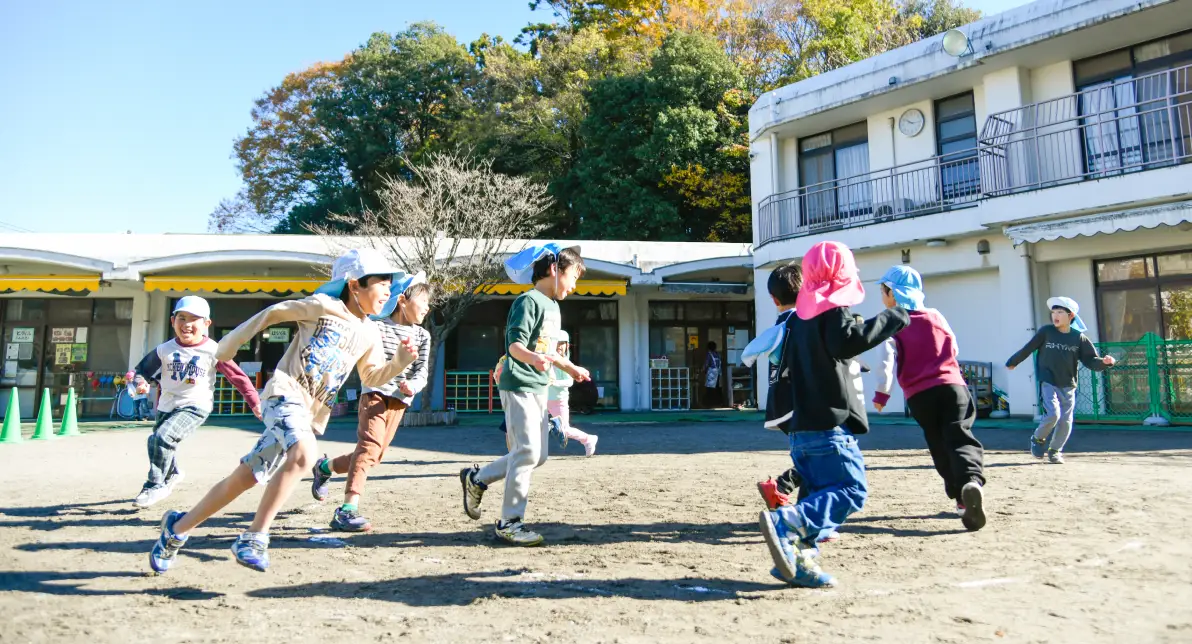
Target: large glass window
956,143
832,169
1148,294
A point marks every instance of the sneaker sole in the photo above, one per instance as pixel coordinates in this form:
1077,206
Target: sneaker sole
523,544
344,528
773,542
463,482
974,514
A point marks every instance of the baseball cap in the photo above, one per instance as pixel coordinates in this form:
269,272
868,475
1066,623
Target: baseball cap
355,264
194,305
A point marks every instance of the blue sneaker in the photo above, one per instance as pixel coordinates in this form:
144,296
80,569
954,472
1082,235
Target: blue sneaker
349,521
318,487
793,564
1038,447
252,550
165,550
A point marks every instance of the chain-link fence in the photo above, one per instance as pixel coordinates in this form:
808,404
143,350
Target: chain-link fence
1152,378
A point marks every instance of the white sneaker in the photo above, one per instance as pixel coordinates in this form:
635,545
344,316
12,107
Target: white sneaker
516,533
176,479
151,496
590,446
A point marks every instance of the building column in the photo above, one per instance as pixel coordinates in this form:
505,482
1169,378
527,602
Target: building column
1016,312
641,367
158,320
764,314
138,344
629,351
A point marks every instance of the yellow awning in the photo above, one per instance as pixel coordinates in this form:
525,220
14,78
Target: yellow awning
62,284
227,285
583,287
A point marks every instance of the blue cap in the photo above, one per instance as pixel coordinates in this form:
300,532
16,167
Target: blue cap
906,285
396,290
520,267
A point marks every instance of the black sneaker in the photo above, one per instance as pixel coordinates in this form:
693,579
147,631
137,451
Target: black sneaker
349,521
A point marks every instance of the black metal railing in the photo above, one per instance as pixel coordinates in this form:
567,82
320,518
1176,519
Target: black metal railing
1118,128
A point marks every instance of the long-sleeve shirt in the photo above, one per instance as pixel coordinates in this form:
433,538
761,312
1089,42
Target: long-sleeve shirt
328,343
824,374
923,354
186,375
415,376
1059,353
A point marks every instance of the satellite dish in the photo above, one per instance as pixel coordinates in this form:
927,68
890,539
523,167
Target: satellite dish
957,44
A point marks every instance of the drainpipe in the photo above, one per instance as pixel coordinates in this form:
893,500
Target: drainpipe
893,146
775,188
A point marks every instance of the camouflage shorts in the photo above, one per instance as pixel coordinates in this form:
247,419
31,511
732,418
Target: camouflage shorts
286,423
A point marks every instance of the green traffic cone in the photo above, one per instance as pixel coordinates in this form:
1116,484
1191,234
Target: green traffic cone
70,417
11,433
44,429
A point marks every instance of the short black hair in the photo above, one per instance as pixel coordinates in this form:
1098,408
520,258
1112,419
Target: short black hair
365,282
712,345
785,282
567,258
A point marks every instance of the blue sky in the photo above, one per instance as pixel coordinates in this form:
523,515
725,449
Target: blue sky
121,115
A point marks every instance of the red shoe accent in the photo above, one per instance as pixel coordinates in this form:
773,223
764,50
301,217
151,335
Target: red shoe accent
770,494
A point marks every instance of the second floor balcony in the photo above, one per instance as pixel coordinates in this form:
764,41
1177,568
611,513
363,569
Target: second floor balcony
1111,129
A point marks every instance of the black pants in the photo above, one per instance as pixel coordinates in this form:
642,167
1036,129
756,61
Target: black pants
946,413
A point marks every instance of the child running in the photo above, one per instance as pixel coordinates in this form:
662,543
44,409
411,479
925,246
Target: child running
334,334
925,355
138,390
381,408
1061,345
822,341
184,369
558,395
533,323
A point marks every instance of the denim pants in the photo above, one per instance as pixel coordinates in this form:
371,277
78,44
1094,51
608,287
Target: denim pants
834,485
1059,407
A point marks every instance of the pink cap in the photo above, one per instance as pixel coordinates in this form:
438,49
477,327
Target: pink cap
830,280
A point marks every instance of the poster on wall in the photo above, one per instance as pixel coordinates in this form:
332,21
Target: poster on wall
81,335
12,352
78,353
10,369
693,342
277,335
62,353
62,335
25,352
22,334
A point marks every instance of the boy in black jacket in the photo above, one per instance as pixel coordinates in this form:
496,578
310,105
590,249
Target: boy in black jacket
823,339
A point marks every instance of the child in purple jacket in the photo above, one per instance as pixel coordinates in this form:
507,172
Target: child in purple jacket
925,355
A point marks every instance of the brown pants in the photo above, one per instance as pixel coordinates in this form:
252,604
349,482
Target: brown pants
379,418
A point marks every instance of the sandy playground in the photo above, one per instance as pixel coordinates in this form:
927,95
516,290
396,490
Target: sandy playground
653,540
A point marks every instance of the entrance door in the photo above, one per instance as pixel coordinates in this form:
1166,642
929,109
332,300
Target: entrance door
23,353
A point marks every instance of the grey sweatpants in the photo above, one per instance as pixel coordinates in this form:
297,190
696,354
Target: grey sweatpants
172,428
1059,406
528,428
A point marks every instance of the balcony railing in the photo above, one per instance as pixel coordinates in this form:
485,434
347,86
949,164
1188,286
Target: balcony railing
1118,128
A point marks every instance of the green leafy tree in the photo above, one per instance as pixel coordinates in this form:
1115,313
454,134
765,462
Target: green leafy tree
657,142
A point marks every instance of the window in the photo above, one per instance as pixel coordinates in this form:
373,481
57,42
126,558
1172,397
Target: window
1134,119
832,170
1140,295
956,143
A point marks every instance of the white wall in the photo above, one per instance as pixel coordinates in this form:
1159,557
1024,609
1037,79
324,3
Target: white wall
1074,278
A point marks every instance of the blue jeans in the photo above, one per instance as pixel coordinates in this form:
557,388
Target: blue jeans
833,473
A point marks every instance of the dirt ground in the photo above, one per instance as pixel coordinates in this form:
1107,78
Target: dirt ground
653,540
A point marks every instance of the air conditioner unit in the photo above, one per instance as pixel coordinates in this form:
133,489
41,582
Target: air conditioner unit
892,209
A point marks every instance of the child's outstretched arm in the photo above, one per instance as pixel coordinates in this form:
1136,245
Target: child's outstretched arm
1027,350
1091,359
149,367
421,369
887,353
575,371
309,308
376,371
242,383
847,336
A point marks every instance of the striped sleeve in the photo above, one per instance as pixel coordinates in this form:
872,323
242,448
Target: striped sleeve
392,335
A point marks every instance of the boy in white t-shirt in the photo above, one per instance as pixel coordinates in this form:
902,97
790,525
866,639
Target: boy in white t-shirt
184,369
334,335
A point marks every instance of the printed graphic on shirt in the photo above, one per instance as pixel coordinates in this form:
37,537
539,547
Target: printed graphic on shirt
187,373
326,360
552,323
1072,348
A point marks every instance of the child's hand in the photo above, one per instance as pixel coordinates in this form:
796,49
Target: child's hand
541,362
580,374
1109,361
407,346
256,411
405,388
1009,368
879,407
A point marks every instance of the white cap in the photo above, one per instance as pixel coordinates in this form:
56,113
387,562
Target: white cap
194,305
355,264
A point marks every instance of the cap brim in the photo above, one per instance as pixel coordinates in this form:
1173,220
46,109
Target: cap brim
332,288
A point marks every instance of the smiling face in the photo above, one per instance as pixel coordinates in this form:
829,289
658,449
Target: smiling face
370,294
189,328
567,280
414,309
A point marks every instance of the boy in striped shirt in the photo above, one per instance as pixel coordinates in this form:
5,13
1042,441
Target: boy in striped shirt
381,408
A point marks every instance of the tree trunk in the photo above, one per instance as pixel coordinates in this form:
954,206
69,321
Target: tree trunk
432,379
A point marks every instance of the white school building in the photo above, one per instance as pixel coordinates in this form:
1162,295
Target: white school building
1039,152
78,310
